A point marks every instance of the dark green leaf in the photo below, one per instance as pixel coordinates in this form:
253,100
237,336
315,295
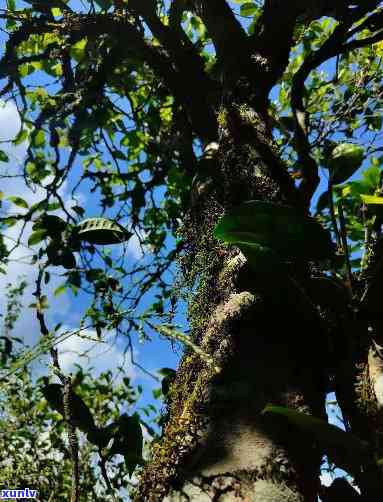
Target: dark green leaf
345,159
18,201
52,224
248,9
102,231
81,415
343,447
37,237
79,210
128,441
3,156
59,255
266,229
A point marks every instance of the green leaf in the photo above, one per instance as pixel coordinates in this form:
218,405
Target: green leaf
346,449
3,156
59,290
77,50
169,377
248,9
18,201
102,231
22,135
52,224
266,229
345,159
371,199
37,237
78,210
39,139
128,441
81,414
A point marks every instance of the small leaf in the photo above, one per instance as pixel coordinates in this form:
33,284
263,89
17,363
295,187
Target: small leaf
37,237
371,199
3,156
102,231
18,201
39,138
169,377
345,159
59,255
59,290
77,50
79,210
52,224
248,9
21,136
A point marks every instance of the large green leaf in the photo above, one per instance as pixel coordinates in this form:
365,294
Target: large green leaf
344,448
81,414
127,440
345,159
102,231
371,199
52,224
266,231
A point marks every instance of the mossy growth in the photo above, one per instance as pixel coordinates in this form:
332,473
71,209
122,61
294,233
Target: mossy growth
222,118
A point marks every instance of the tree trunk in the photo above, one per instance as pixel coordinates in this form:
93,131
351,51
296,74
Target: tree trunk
263,341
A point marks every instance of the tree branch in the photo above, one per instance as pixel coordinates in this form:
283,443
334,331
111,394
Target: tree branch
229,38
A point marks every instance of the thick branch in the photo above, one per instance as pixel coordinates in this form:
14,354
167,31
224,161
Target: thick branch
229,38
186,60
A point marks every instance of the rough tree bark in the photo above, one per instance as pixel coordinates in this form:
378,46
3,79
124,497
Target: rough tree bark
217,446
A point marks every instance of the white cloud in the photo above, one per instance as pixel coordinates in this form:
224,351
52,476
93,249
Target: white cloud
100,355
10,122
134,248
